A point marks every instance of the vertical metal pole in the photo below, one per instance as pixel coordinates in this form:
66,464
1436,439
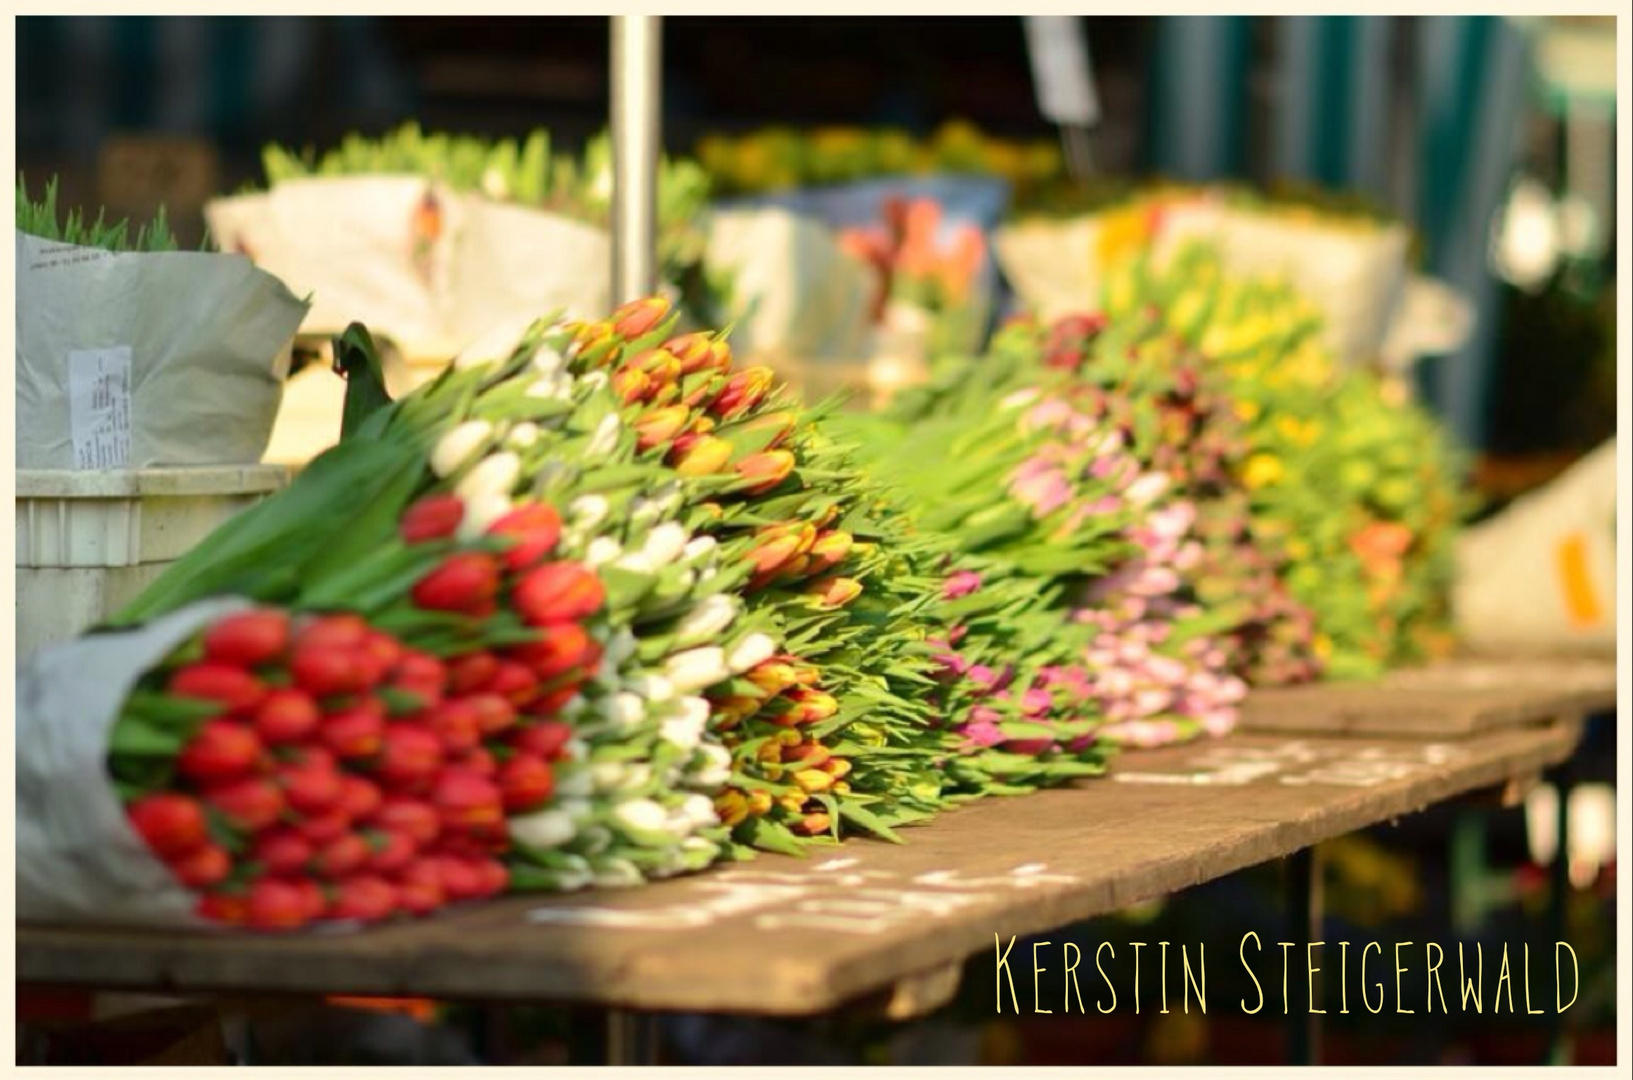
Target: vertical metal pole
637,61
1304,901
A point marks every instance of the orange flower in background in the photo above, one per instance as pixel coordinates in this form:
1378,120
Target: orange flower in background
1381,542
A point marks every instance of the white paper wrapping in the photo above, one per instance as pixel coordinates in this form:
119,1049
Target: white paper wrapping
135,360
796,293
78,859
429,268
1542,574
1356,277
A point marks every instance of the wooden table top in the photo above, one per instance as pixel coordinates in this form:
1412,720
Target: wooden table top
785,936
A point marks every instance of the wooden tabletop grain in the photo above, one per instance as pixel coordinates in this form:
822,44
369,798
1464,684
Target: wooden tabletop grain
784,936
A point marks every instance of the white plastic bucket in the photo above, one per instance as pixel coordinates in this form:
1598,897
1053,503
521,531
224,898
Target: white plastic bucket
89,542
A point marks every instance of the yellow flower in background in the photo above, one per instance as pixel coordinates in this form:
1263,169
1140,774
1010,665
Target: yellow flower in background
1247,411
1123,232
1263,470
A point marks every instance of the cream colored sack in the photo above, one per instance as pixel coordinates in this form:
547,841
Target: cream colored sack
1542,574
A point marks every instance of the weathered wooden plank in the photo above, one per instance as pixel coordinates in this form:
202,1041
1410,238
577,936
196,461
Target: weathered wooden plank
787,936
1456,699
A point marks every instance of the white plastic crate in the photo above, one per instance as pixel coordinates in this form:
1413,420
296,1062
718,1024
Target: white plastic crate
89,542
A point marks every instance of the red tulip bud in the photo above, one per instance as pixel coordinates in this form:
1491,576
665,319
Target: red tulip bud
471,672
310,789
546,739
390,851
333,632
170,824
515,682
493,713
326,672
247,639
661,426
221,751
321,828
282,852
276,905
414,818
341,857
409,757
558,592
231,687
465,799
457,725
419,887
286,715
355,732
742,392
563,647
462,582
251,804
364,898
765,470
835,591
432,518
639,317
700,352
526,782
535,528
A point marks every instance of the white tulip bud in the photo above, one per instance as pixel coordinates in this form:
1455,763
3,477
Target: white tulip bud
624,710
751,652
1147,489
683,730
557,387
695,669
547,361
617,874
602,550
621,646
458,446
641,815
665,543
707,620
653,687
481,512
594,380
523,435
589,511
699,810
545,829
495,474
605,437
636,562
574,783
698,546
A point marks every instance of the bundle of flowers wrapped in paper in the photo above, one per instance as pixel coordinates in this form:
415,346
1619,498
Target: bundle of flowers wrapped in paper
432,239
451,675
1347,480
1354,264
780,158
925,302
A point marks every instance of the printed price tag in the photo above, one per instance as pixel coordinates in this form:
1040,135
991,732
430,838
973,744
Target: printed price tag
99,407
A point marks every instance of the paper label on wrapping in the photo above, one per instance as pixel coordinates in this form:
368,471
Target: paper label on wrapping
99,407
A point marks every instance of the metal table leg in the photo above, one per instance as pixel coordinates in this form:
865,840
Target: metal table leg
632,1038
1303,905
1559,894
